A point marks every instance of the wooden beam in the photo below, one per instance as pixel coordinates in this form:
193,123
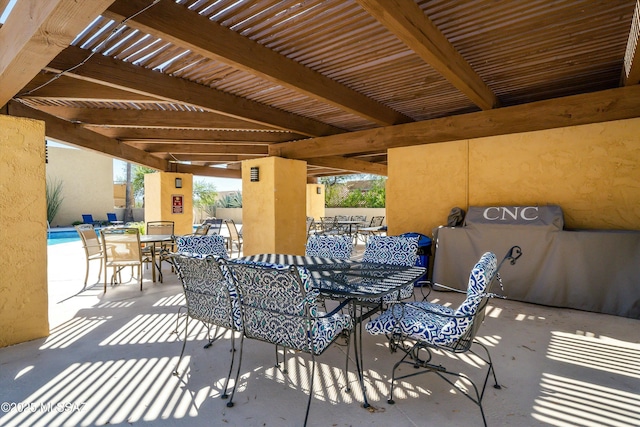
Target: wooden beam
70,133
174,135
207,158
35,32
207,171
126,76
66,88
348,164
190,148
597,107
177,24
631,67
407,21
152,118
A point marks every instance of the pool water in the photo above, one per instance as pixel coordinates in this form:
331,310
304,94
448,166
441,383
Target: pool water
57,237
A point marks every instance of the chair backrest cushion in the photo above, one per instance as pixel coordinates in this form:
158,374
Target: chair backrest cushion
339,247
394,250
211,297
479,280
274,303
204,245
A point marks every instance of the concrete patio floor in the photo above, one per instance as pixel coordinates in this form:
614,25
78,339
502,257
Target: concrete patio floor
110,357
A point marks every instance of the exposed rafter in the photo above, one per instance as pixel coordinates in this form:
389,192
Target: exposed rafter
202,148
46,86
35,32
631,68
175,23
177,134
154,119
407,21
125,76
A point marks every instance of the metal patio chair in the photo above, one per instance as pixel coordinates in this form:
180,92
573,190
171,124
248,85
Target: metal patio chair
161,250
393,250
423,329
215,224
121,248
211,298
279,306
339,247
201,230
235,238
92,248
374,228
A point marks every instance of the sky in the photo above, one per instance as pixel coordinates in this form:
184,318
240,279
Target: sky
222,184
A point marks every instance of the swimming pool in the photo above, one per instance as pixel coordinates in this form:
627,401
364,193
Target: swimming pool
55,237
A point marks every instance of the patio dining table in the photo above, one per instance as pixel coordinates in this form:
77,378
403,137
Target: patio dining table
152,240
360,283
349,223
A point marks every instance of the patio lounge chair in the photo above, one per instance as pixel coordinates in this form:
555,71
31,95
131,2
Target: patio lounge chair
113,219
423,327
88,219
278,306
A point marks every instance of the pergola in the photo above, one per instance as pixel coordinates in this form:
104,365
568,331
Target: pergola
185,85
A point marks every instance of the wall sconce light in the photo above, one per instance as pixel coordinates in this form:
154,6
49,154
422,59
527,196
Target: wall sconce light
318,190
178,182
255,174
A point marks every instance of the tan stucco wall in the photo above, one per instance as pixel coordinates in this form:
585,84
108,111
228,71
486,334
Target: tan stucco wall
591,171
87,183
159,189
23,231
274,209
315,201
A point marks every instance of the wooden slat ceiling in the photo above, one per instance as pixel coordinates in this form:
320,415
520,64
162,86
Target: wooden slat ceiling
211,82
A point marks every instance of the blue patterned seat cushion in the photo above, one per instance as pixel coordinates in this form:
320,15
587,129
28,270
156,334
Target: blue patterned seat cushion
277,316
339,247
425,321
204,245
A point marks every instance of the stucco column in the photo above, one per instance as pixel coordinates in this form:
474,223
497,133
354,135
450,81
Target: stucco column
169,197
315,201
274,206
24,313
